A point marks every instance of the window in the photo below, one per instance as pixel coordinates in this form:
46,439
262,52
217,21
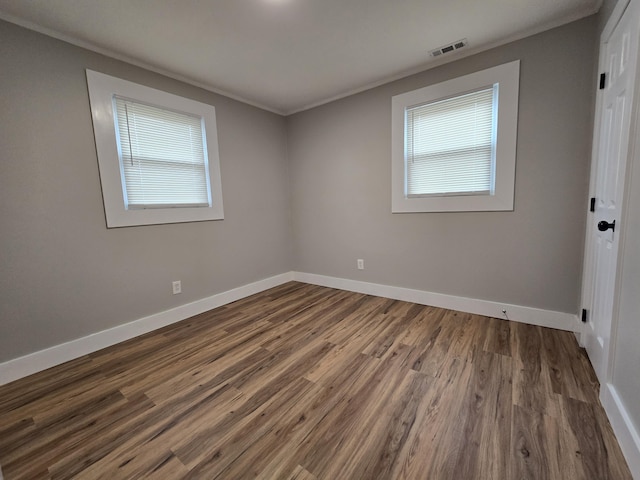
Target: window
454,144
157,154
162,156
451,145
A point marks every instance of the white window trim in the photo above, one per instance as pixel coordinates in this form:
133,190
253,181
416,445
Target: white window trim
508,77
102,88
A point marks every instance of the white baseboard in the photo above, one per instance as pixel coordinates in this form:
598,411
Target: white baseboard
517,313
43,359
627,435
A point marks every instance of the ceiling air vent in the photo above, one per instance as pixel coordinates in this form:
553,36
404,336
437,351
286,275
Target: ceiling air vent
449,48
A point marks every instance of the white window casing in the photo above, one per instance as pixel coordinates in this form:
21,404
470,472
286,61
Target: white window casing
454,144
157,154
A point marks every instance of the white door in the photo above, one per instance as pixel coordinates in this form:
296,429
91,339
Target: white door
618,59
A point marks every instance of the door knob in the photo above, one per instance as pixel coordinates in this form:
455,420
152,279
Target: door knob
603,225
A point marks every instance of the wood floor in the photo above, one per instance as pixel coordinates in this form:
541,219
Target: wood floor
305,382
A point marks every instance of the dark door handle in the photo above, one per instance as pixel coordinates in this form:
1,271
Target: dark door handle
603,226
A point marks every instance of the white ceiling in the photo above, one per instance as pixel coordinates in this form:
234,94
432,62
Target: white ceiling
289,55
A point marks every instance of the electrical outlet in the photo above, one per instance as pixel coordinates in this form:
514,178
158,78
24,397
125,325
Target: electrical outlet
177,287
360,264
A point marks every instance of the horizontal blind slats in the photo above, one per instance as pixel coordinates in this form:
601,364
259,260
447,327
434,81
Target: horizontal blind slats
162,154
449,145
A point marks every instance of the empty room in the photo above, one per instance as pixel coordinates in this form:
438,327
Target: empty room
320,239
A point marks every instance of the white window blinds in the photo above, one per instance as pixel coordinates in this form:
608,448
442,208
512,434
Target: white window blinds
162,156
450,145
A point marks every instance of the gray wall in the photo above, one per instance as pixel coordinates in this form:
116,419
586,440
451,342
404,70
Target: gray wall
64,275
341,187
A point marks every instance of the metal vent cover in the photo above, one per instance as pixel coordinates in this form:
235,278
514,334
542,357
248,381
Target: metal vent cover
458,44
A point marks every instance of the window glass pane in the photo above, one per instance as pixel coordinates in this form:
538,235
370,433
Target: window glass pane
162,155
450,145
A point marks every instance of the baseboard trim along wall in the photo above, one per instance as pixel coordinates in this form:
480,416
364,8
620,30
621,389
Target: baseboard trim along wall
43,359
517,313
626,434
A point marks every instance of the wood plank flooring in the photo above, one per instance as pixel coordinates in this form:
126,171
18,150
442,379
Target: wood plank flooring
306,382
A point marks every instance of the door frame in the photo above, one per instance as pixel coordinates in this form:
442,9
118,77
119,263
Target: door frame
588,267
